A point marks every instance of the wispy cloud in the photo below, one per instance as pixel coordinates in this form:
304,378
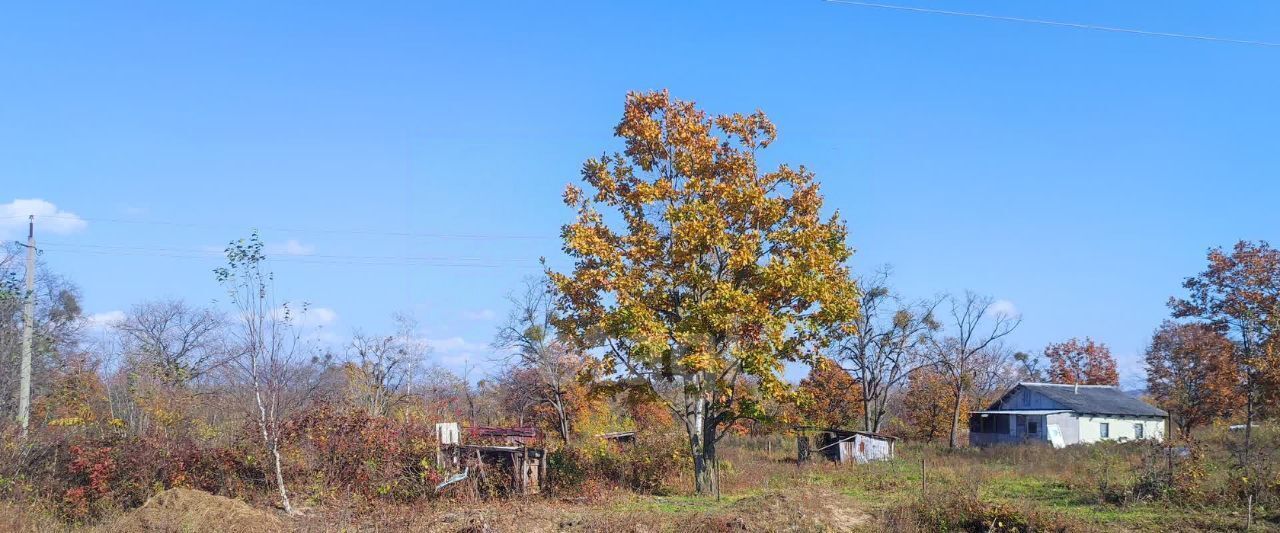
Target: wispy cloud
49,219
289,247
105,319
481,315
1003,307
311,317
453,351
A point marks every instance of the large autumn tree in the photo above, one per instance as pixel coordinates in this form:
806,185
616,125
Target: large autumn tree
1238,294
695,273
1082,362
1190,373
830,396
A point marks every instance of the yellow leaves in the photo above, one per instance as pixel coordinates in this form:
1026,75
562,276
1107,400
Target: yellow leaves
67,421
715,264
572,195
698,362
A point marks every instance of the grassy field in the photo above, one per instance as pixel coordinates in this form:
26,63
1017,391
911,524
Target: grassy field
1002,489
1022,488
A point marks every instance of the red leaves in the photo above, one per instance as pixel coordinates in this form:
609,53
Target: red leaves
1081,362
1190,373
96,464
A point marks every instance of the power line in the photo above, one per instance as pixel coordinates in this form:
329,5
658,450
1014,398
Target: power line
460,236
303,260
324,260
1060,24
209,252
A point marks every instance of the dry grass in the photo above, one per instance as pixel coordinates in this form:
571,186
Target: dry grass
32,517
1020,488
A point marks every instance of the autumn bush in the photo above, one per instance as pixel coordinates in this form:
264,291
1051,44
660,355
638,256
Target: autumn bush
88,472
342,452
645,466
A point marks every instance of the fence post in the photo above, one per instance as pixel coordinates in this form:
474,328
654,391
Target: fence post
924,478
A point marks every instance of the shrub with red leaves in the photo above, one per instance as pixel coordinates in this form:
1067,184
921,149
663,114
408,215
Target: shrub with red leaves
377,457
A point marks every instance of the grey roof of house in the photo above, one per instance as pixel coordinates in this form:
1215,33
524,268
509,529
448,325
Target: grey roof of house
1095,399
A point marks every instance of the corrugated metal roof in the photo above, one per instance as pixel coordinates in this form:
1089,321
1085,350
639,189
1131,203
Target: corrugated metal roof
1094,399
1020,412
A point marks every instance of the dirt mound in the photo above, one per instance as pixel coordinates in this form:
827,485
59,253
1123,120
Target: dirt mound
184,510
811,510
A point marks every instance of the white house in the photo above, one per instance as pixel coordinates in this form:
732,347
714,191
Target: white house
1065,414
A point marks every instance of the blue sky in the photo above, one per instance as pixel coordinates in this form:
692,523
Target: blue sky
1079,175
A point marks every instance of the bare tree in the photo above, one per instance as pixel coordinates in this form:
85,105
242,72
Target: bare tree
531,340
383,366
176,342
887,344
272,359
997,370
967,352
441,392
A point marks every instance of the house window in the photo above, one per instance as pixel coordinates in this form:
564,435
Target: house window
1033,427
1137,431
1104,430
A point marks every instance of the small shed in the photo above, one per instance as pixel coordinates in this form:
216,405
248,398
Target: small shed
845,445
865,447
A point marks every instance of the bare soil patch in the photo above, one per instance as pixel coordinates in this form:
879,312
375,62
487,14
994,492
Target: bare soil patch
186,510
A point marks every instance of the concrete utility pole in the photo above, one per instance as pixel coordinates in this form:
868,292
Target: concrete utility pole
28,324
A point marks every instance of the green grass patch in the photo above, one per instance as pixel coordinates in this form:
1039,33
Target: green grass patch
679,504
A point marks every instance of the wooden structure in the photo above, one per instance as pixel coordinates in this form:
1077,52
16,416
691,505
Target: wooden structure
618,437
496,457
520,468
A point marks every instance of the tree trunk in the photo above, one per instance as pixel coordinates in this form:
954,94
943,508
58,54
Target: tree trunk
272,444
702,446
705,469
868,422
955,420
877,419
562,417
284,496
1248,422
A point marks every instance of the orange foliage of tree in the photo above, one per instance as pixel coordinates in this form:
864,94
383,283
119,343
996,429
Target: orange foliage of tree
1239,295
831,397
1190,373
1082,362
928,405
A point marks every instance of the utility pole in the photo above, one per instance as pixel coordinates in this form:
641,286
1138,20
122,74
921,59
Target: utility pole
28,324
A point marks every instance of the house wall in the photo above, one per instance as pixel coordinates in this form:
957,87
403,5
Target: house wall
1022,398
1068,424
1121,428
